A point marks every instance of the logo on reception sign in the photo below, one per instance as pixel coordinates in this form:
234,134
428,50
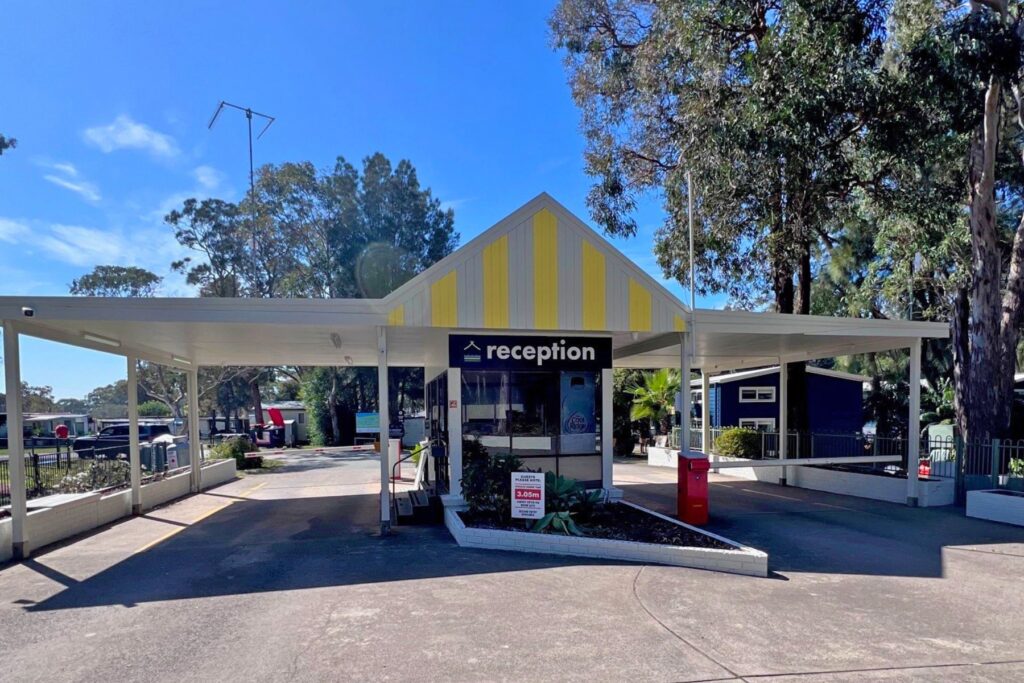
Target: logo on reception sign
527,495
471,352
502,352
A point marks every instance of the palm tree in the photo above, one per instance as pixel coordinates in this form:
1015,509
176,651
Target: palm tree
654,396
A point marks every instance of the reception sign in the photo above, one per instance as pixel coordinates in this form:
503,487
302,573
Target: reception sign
505,352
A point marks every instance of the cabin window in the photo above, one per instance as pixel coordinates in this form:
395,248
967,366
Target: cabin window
757,394
758,424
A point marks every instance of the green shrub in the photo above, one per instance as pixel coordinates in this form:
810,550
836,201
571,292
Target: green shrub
565,501
97,475
237,447
487,481
1017,467
737,442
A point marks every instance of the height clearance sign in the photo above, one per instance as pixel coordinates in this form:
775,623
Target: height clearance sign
527,495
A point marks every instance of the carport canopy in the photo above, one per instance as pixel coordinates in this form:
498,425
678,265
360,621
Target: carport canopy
539,270
187,333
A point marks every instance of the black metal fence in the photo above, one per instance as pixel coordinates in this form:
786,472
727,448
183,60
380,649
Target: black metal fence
53,466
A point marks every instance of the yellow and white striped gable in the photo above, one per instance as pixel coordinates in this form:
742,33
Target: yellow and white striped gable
540,268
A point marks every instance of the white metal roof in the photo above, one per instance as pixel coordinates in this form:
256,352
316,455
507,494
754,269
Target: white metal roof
763,372
736,340
183,332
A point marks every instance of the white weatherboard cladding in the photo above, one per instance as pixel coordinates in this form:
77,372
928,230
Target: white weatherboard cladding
518,229
520,281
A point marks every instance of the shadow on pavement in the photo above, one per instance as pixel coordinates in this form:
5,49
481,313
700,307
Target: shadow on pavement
811,531
286,544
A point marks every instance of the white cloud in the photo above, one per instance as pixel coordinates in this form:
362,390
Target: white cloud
208,177
12,231
83,246
66,167
85,190
67,176
454,204
126,133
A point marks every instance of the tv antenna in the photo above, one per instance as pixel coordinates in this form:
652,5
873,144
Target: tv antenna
249,113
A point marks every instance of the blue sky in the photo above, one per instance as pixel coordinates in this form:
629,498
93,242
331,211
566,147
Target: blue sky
110,102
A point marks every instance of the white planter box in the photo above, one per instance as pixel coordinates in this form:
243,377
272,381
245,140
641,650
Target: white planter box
6,549
738,559
54,518
930,493
159,492
217,472
998,506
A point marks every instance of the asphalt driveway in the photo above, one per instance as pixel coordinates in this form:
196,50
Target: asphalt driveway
281,577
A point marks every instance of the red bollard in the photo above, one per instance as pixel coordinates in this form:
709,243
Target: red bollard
693,488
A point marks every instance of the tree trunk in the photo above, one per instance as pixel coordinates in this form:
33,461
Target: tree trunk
332,404
257,401
983,331
961,358
797,372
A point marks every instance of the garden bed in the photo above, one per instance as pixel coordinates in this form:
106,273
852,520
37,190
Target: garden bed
615,522
703,550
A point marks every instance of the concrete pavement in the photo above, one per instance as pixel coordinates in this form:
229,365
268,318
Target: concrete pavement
281,576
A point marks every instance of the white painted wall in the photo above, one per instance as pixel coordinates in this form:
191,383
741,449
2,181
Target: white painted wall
997,507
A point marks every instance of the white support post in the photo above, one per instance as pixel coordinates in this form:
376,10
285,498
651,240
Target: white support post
607,407
705,413
195,452
134,459
385,429
15,443
914,424
684,382
455,431
783,417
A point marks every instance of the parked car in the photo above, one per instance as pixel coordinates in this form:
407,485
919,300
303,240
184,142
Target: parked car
108,442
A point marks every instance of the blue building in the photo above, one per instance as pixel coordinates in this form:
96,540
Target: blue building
835,400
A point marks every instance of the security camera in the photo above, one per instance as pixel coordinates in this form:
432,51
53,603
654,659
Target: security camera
28,311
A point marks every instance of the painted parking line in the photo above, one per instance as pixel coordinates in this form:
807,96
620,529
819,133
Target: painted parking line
173,532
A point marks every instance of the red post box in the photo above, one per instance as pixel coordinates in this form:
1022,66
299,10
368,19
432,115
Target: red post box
693,489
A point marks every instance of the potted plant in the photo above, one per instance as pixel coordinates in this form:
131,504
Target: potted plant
1015,480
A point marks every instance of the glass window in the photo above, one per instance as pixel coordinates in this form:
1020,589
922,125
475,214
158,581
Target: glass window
761,424
757,394
486,409
533,413
539,416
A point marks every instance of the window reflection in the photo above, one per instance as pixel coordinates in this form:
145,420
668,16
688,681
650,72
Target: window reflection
541,417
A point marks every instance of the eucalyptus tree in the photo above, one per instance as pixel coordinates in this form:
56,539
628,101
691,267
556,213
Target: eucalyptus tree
766,103
340,232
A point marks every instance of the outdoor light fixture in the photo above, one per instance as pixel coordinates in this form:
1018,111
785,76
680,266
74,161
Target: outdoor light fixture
179,359
336,340
348,360
100,340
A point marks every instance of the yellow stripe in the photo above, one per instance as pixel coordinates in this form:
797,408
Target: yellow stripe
495,259
680,324
444,302
545,270
397,315
593,274
639,307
